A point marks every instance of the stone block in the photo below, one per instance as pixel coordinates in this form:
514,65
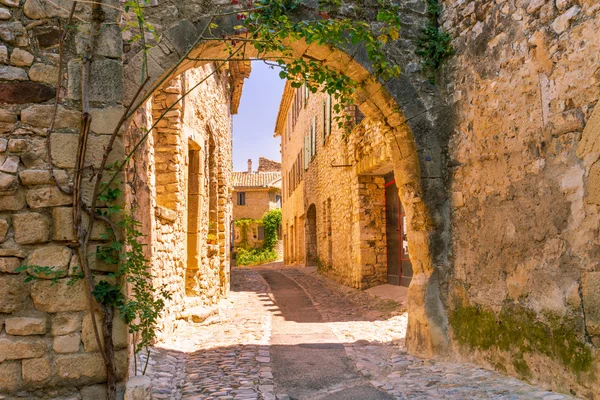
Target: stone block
8,73
9,264
18,145
5,14
13,293
13,202
85,368
107,86
47,197
3,55
67,343
65,323
9,184
55,257
591,302
88,338
31,228
41,116
10,164
62,218
8,116
10,376
25,92
138,388
105,120
110,42
44,73
25,326
64,150
12,348
96,264
33,177
59,297
21,58
36,371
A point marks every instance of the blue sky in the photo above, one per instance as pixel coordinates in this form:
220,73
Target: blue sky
254,124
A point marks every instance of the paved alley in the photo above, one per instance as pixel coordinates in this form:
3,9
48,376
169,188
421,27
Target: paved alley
288,333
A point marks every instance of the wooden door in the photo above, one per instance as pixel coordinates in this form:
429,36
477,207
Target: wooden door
399,265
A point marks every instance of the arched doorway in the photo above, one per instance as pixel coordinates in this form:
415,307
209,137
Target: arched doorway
311,236
398,105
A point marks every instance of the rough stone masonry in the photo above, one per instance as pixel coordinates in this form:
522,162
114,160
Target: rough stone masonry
499,166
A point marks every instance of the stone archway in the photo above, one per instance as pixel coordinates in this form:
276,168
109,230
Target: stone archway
411,119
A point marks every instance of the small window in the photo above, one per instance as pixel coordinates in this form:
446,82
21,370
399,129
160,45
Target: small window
241,200
278,201
261,233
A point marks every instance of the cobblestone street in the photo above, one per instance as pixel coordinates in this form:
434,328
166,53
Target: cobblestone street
288,333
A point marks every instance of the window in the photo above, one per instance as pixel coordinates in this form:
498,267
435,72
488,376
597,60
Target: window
241,198
278,201
261,232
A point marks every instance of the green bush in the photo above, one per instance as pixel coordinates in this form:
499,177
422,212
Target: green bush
249,257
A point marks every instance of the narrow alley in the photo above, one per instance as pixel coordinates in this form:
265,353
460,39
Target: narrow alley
288,333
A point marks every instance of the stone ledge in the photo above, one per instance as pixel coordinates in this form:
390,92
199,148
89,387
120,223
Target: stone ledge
166,214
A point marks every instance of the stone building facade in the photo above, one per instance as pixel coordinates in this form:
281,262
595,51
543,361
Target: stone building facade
255,193
496,166
181,181
334,180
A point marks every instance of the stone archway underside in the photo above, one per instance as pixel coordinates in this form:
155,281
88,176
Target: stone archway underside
399,110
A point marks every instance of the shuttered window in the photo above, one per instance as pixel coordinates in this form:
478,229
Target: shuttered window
314,136
327,117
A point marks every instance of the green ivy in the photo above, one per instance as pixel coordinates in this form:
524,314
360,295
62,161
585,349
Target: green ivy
243,224
271,221
435,45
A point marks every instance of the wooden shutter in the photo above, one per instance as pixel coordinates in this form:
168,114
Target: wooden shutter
314,134
306,151
328,114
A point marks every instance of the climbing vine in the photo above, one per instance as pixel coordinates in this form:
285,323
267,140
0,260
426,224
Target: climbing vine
242,224
435,45
271,222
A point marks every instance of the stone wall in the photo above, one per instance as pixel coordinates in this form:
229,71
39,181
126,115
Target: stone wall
523,175
188,192
266,165
47,347
345,234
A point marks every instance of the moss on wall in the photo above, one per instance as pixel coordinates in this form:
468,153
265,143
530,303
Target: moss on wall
517,331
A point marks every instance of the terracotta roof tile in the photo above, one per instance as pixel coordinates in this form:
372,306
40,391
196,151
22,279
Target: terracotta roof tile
257,179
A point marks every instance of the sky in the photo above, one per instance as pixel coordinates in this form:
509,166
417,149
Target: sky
254,124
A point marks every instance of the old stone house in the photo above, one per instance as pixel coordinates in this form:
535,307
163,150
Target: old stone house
254,194
340,202
496,166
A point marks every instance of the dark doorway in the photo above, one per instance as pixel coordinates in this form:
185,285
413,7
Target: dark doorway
399,268
311,236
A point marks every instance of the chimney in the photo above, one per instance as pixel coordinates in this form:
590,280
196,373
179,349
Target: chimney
249,165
